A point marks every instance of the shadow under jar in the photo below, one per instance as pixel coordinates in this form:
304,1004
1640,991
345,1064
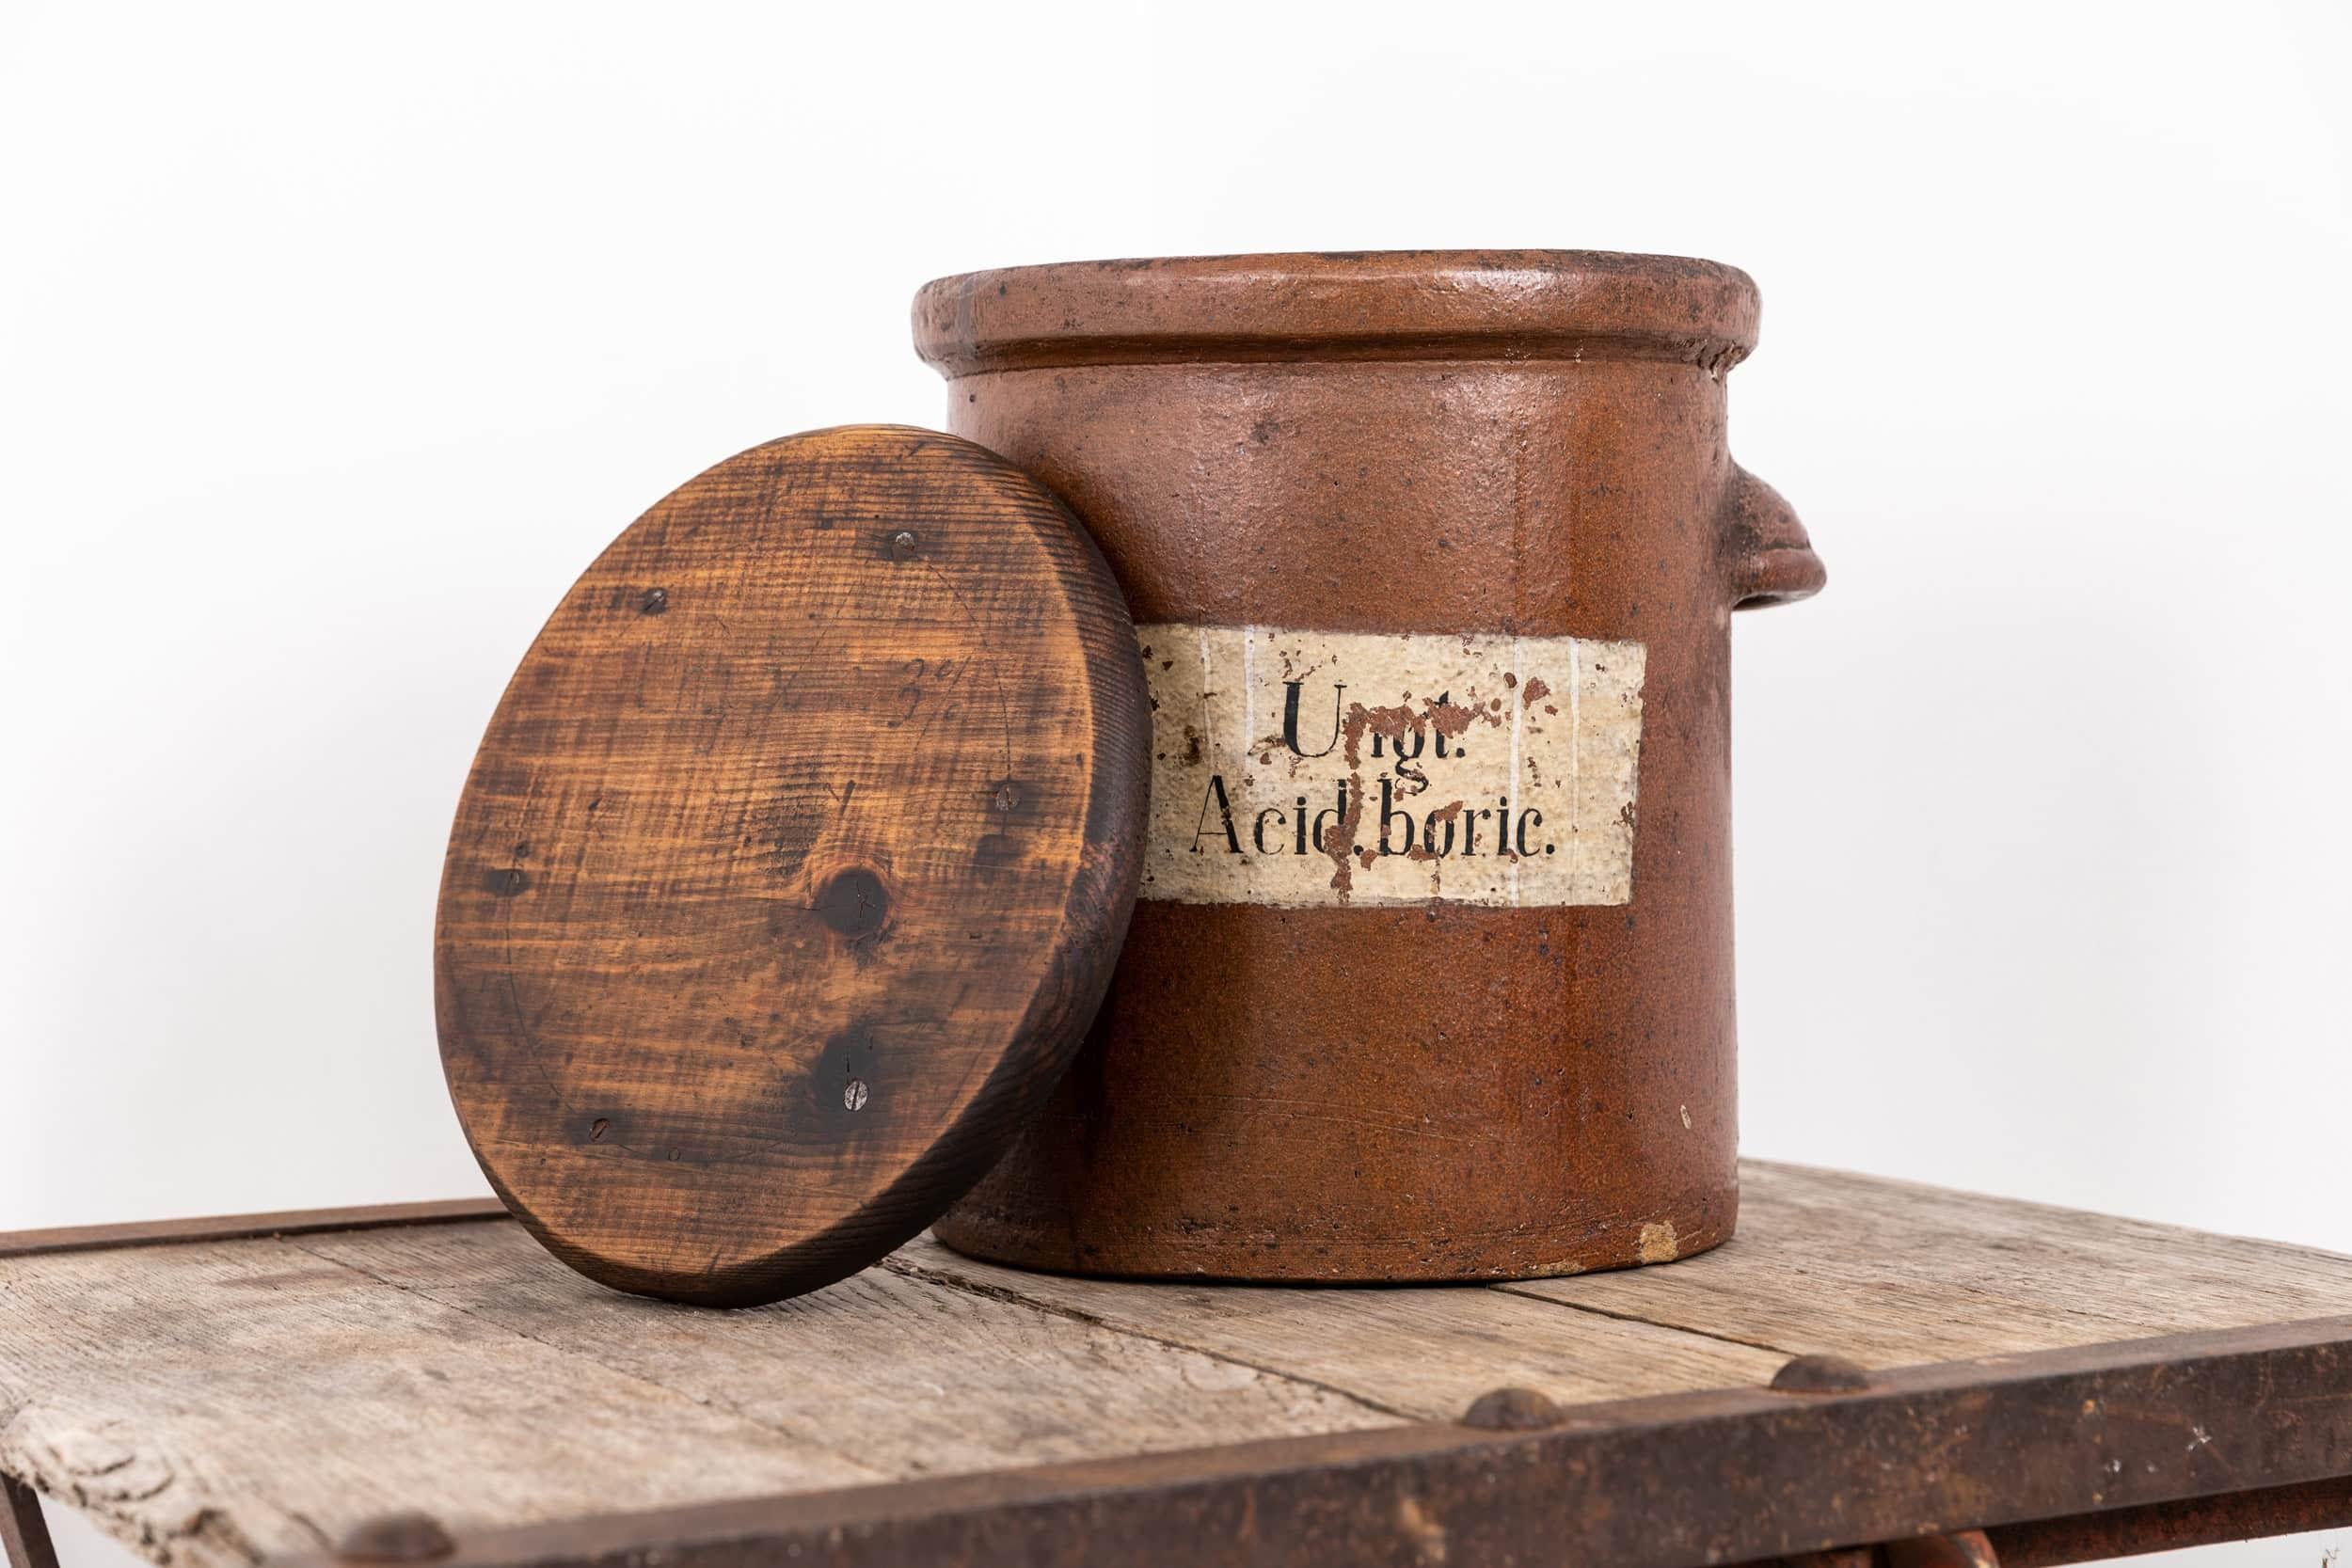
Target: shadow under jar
1432,557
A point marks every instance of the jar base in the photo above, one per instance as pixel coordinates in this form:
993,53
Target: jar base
1295,1261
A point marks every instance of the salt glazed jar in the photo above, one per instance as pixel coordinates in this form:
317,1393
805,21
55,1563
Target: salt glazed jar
1432,557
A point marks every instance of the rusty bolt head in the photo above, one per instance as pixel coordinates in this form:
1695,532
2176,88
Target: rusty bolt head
902,545
1822,1374
1513,1410
409,1537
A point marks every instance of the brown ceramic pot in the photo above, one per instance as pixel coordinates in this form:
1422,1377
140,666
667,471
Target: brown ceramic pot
1433,557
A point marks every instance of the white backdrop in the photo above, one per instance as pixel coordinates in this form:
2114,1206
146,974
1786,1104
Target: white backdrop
335,341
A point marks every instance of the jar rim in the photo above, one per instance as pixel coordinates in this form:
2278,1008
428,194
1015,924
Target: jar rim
1339,304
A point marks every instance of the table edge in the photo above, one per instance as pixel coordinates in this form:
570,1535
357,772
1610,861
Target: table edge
1723,1476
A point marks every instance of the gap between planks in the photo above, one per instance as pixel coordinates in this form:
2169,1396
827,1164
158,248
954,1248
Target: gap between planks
1512,1287
921,1274
933,1274
1302,1332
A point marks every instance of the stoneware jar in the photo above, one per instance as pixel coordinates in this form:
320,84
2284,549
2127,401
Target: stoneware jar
1432,557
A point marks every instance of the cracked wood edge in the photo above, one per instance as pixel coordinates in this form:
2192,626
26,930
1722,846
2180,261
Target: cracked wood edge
247,1397
929,1378
212,1404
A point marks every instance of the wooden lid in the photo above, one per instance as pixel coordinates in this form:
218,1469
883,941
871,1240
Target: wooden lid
793,865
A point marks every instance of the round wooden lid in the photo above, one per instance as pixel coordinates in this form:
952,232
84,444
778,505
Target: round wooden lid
793,865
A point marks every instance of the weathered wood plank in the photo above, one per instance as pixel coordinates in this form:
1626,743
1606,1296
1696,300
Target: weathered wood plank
900,1377
1425,1352
213,1402
1723,1476
209,1403
1892,1273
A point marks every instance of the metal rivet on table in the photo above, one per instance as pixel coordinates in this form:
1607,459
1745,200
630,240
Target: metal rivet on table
902,546
409,1537
1822,1374
1513,1410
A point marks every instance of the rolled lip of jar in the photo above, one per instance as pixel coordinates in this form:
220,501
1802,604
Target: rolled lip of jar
1340,305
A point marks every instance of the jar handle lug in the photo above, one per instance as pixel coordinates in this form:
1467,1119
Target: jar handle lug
1768,560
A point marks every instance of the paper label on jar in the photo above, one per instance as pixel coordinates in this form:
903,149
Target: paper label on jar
1306,769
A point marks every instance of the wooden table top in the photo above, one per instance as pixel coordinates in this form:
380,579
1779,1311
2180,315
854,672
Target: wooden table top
214,1400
